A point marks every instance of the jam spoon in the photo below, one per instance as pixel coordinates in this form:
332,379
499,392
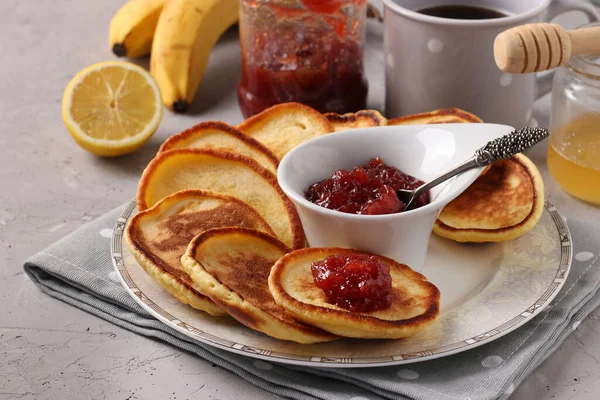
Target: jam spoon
498,149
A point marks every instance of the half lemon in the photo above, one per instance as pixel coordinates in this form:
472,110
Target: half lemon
112,108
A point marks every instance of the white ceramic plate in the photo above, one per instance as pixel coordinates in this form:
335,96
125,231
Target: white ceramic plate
487,291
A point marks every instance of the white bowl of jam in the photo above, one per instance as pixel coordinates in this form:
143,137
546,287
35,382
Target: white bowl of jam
343,184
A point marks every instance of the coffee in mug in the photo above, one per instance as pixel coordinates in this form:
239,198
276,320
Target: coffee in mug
439,54
456,11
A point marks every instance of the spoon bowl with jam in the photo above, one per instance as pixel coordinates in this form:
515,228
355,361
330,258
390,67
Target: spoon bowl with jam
344,184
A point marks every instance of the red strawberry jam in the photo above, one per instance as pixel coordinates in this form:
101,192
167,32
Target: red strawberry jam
356,282
306,51
368,189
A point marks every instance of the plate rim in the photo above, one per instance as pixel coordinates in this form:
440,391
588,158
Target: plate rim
562,272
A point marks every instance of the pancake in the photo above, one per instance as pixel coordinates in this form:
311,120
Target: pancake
441,116
415,301
226,173
284,126
159,236
232,266
218,135
359,119
503,203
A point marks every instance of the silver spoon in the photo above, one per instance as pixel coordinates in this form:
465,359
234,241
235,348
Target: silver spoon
498,149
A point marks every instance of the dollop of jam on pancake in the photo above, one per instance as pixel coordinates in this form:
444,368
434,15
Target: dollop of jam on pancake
356,282
368,189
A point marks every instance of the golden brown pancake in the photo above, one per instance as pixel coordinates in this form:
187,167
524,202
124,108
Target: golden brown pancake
415,301
359,119
441,116
159,236
231,266
504,202
284,126
226,173
218,135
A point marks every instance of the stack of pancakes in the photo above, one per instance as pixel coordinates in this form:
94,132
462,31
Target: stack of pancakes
215,230
506,201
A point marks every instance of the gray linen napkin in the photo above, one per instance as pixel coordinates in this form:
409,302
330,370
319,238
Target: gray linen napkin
78,270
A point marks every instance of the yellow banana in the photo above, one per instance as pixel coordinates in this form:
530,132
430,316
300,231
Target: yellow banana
132,27
187,31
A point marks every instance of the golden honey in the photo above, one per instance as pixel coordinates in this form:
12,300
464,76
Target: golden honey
574,157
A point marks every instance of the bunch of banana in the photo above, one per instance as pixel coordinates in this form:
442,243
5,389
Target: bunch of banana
179,36
132,27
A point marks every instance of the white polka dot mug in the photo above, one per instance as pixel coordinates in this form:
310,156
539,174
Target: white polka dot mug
437,58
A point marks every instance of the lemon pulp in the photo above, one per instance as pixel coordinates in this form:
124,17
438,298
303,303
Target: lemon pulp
112,108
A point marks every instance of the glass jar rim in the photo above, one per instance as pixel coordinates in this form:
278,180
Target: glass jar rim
587,65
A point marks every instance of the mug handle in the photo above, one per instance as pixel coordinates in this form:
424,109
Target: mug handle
373,12
557,7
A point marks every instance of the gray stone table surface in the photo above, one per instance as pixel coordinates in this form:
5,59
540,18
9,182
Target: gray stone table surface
49,187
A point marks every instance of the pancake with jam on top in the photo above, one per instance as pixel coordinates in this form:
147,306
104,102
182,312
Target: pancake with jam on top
232,266
159,236
413,302
504,202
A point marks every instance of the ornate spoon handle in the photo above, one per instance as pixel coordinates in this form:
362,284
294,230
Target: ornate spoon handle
509,145
498,149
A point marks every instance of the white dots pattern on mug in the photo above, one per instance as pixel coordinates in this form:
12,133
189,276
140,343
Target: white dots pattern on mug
491,361
390,61
435,46
407,374
265,366
584,256
506,80
107,232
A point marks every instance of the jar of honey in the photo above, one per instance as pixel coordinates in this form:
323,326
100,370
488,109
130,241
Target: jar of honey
574,144
307,51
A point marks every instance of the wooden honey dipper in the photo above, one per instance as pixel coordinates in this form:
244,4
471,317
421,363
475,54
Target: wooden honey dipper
542,46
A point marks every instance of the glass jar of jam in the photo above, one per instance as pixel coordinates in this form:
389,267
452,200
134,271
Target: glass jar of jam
574,143
307,51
